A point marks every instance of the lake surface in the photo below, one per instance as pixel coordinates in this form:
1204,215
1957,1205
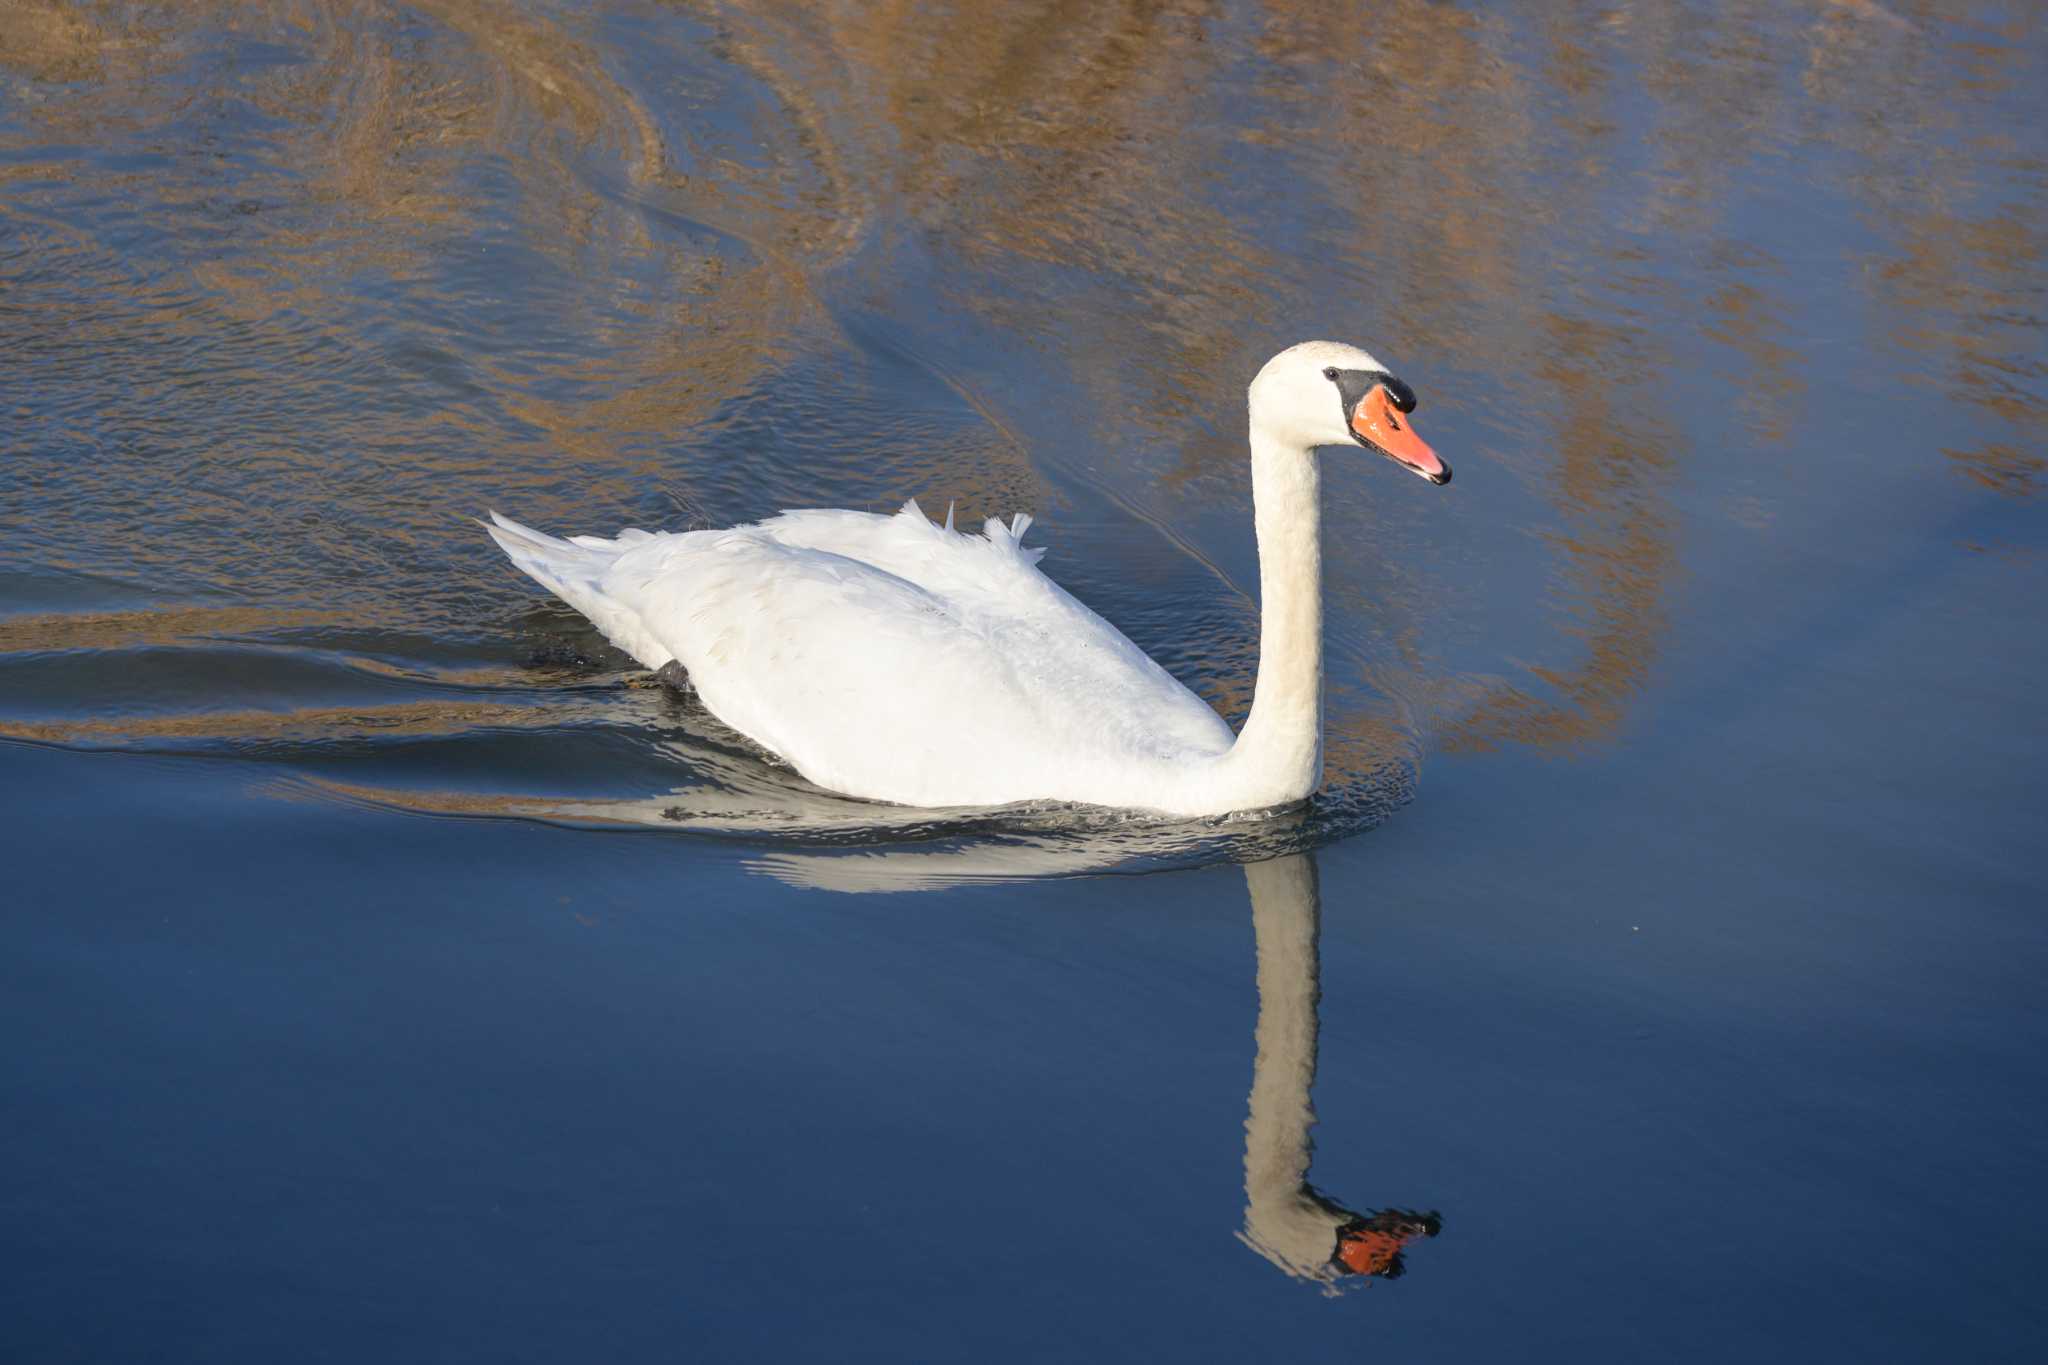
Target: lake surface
391,971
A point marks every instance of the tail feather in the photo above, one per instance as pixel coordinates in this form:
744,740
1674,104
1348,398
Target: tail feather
574,571
554,563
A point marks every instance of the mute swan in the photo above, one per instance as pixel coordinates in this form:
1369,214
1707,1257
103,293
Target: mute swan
888,658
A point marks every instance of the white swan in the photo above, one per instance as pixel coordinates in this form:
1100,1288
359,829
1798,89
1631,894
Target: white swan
892,659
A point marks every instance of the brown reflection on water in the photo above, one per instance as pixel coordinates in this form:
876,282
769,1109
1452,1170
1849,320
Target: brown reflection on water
171,626
1038,142
1767,387
380,128
55,41
452,254
1956,189
314,724
1616,546
1965,293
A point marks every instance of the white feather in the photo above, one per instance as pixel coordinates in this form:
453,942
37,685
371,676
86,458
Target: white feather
884,656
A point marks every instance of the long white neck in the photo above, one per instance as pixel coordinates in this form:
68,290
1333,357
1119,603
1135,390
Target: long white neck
1278,757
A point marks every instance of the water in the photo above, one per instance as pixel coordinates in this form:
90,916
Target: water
392,972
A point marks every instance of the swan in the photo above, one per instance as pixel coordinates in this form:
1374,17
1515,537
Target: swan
892,659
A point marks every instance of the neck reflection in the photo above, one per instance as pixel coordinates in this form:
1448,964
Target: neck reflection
1286,1219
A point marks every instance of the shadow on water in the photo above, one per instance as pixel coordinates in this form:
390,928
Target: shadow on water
738,793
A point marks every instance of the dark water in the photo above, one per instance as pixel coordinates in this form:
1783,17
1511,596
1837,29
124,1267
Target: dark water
389,972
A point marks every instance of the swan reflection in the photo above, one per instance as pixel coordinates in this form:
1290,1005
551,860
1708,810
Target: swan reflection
1286,1219
1301,1230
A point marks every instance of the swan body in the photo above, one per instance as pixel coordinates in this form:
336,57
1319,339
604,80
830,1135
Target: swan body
889,658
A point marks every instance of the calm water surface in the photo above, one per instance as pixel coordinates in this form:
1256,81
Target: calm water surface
389,971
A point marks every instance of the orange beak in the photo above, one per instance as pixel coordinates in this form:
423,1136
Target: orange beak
1369,1253
1376,422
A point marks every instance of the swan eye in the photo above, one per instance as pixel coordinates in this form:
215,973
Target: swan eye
1330,372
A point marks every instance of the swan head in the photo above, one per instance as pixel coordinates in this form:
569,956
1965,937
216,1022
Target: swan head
1324,393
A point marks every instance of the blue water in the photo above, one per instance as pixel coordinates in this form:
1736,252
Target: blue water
390,971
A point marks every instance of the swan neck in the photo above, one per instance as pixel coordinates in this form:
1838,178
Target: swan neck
1279,752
